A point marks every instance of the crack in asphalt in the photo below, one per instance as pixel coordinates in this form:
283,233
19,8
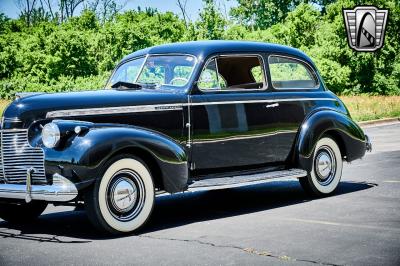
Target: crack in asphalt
52,239
247,250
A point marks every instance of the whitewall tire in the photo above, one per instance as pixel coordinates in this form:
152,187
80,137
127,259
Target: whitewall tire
326,171
123,199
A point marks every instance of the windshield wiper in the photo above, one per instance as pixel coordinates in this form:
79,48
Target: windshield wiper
126,85
123,85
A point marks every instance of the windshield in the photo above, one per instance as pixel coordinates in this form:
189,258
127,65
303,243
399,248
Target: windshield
161,70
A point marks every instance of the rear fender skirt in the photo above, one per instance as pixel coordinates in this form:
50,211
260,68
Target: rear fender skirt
328,121
82,157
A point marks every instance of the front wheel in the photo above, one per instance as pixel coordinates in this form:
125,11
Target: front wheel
326,171
122,200
22,212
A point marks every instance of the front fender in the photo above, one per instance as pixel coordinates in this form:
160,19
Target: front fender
83,156
350,136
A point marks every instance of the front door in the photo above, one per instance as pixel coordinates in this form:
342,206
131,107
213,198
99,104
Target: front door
233,126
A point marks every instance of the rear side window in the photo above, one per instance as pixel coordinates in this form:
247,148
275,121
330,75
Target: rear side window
288,73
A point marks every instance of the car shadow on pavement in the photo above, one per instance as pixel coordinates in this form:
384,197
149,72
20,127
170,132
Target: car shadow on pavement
174,210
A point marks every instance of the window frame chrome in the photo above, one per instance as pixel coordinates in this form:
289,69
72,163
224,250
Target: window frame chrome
141,67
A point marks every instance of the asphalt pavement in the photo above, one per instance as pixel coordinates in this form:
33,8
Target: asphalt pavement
269,224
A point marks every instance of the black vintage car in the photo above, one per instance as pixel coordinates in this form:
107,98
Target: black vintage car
172,118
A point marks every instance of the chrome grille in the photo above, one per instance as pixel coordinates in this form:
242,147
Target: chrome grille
18,156
2,180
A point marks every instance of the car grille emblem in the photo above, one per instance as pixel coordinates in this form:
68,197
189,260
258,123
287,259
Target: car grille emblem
365,26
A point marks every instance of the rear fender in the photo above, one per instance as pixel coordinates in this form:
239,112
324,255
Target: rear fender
342,128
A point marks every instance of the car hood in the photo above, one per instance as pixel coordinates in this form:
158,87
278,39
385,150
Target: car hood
23,111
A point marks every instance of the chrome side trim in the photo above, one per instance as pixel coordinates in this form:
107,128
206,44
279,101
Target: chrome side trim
266,101
208,184
114,110
62,190
162,107
243,137
244,180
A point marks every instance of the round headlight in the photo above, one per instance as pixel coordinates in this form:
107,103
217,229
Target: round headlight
51,135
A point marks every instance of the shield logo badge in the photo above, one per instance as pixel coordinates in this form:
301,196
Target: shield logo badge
365,26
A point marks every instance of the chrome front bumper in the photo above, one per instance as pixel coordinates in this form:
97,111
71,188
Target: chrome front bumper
62,190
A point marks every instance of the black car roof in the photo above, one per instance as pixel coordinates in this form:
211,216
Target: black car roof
202,49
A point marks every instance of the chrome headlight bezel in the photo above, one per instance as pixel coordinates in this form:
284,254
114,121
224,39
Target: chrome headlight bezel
51,135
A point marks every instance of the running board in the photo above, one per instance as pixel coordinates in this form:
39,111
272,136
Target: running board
244,180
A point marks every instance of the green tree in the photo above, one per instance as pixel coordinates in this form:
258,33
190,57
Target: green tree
79,53
4,23
211,24
262,14
86,21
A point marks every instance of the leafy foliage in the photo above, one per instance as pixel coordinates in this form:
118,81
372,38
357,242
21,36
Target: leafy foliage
261,14
79,53
211,24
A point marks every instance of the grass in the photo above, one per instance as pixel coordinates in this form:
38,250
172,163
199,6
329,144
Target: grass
364,107
361,107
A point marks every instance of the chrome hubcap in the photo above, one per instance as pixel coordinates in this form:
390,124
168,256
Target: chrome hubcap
325,165
124,194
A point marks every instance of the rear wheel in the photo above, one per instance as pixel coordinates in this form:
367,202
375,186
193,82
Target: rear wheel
326,171
22,212
122,200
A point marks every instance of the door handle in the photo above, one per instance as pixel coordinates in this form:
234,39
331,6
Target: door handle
272,105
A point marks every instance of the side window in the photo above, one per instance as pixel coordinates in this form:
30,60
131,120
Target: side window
236,72
287,73
210,78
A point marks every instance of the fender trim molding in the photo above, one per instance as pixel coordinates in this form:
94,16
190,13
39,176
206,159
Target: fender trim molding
162,107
